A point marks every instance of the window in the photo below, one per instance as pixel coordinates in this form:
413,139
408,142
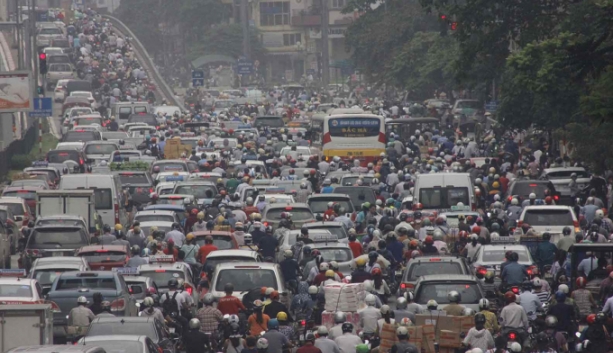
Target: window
338,4
90,283
443,197
57,236
291,39
103,199
549,217
246,279
274,13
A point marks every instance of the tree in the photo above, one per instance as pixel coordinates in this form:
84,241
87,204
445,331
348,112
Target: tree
227,39
142,17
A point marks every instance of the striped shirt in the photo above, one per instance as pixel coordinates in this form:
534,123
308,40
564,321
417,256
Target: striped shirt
544,296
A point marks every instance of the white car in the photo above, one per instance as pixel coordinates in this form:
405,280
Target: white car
59,93
490,257
560,178
78,146
15,289
297,151
83,94
550,219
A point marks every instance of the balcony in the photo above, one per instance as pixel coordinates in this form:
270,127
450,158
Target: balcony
306,18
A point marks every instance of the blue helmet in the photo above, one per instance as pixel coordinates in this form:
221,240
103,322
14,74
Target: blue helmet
560,297
147,137
273,324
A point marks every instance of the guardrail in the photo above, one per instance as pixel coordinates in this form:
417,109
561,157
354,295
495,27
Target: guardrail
146,61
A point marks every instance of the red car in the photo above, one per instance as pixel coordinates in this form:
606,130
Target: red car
104,257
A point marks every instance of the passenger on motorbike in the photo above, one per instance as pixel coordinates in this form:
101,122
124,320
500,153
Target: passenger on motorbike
401,311
402,345
276,340
235,342
386,318
513,273
529,301
596,333
491,321
348,341
275,307
454,308
195,341
209,316
583,298
560,343
369,316
359,275
545,252
513,317
324,342
565,313
479,336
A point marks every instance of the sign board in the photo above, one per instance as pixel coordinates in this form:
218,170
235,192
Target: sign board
491,106
174,148
310,71
15,91
244,68
43,107
333,32
198,78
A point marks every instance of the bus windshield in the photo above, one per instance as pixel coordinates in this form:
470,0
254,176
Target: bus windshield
358,136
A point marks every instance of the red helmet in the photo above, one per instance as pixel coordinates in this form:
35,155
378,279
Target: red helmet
591,319
154,139
548,200
609,268
580,282
477,230
194,211
312,171
222,192
463,234
376,271
429,240
509,297
419,206
154,196
430,150
292,172
152,290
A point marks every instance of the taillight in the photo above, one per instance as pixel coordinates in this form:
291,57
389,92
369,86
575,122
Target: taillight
403,286
515,290
118,305
512,336
303,323
54,307
81,161
116,214
556,197
189,289
530,270
510,198
520,223
481,270
150,190
327,138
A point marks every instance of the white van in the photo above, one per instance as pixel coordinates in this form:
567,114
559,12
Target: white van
123,110
107,191
443,191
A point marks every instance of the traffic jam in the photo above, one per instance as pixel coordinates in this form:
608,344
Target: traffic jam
291,223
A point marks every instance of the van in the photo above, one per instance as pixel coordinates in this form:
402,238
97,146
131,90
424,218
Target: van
78,85
443,191
108,194
123,110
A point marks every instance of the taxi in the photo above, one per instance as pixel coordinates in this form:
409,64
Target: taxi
171,177
162,268
46,269
16,290
104,257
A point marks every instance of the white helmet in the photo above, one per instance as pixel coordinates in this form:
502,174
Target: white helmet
262,343
476,350
515,347
370,300
82,300
322,330
288,254
384,309
324,266
599,214
313,290
563,288
532,196
234,319
484,304
514,202
402,331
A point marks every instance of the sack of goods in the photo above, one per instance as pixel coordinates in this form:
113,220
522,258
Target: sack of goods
344,297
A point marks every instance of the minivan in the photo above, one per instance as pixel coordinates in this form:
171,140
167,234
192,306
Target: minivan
443,191
108,194
123,110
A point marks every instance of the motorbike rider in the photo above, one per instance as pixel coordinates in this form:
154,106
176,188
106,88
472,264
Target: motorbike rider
229,304
359,275
513,273
195,341
596,333
276,340
274,307
106,309
565,313
107,237
551,323
403,344
529,301
454,308
513,317
136,260
348,341
209,316
308,346
324,342
491,321
413,307
150,310
401,310
81,316
479,336
291,269
284,326
545,252
369,316
96,306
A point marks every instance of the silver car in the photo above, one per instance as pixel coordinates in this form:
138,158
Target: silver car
56,72
438,286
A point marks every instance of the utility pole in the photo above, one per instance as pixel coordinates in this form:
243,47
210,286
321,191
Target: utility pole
18,36
245,25
34,53
325,55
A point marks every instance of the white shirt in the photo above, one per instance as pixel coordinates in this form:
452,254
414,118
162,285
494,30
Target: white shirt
180,298
347,342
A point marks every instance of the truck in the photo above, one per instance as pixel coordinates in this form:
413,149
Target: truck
70,202
25,325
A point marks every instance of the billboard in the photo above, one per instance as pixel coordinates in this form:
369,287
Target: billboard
15,91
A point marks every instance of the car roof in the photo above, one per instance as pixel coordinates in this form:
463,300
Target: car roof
156,223
87,248
448,277
155,212
204,233
53,348
110,338
179,266
143,279
233,252
326,223
442,257
327,196
123,319
548,207
62,216
12,199
240,264
324,245
292,205
567,169
505,246
61,259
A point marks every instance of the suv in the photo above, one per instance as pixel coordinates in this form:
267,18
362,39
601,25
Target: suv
438,286
490,257
53,240
431,265
522,188
301,214
142,326
7,219
19,208
560,178
550,219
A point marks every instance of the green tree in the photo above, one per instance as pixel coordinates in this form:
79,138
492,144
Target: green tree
142,17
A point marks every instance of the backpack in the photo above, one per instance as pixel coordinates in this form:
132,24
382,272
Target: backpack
170,305
155,151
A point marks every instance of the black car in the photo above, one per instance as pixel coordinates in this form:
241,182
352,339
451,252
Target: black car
522,189
54,240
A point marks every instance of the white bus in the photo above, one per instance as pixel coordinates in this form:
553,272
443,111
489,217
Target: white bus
353,136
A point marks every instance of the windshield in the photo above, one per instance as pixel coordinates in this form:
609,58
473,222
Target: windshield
222,143
443,197
525,189
351,180
271,122
115,135
47,276
15,290
100,149
357,195
548,217
115,346
565,174
59,67
101,256
422,268
154,218
50,30
103,199
105,283
76,136
113,328
162,276
338,231
16,208
336,254
320,205
163,229
172,167
469,292
300,152
24,194
60,222
223,104
222,242
87,121
57,236
199,191
298,214
245,279
133,179
62,156
214,261
498,256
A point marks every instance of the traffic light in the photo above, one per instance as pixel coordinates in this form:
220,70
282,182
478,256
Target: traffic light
454,26
444,23
42,63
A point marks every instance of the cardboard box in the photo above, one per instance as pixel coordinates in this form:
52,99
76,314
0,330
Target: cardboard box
416,333
428,339
449,339
388,332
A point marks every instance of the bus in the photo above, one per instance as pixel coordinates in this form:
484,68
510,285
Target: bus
353,136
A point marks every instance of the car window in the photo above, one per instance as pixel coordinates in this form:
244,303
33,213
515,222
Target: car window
86,282
15,290
162,276
222,242
499,255
16,208
269,121
62,156
419,269
443,197
199,191
338,231
525,189
336,254
351,180
101,256
113,328
134,179
154,218
100,148
245,279
103,199
24,194
357,195
548,217
298,214
469,292
47,276
53,236
50,30
77,136
59,67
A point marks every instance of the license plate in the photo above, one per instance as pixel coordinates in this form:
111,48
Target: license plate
171,329
57,254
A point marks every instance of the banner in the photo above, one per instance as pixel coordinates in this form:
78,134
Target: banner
15,91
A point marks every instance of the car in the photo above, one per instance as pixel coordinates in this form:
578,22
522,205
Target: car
522,188
61,220
53,51
141,131
221,239
203,191
51,241
352,179
175,199
114,136
490,257
288,239
123,343
7,219
69,286
46,269
156,215
301,214
163,226
56,349
246,276
58,71
28,193
15,289
140,185
138,285
467,106
85,94
549,218
437,287
337,228
319,203
20,209
104,257
298,151
431,265
59,93
99,150
358,195
161,269
44,35
333,251
225,256
169,165
560,178
119,326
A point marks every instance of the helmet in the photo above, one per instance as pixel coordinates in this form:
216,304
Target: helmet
514,202
515,347
560,296
334,265
82,300
580,282
313,290
385,309
324,266
563,288
347,327
273,324
532,196
282,316
601,318
401,303
148,301
360,262
551,321
339,317
321,330
432,304
362,348
194,324
262,343
479,318
330,274
233,319
566,231
509,297
484,304
402,332
453,297
370,300
468,312
373,255
591,319
288,254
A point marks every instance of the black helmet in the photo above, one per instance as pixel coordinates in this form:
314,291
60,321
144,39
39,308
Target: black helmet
373,255
495,227
479,318
542,338
566,231
176,225
31,224
527,285
546,236
514,257
403,217
347,327
229,287
601,318
106,228
411,233
173,283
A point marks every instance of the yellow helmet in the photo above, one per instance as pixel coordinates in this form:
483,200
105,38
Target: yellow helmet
189,236
430,161
118,226
330,274
282,316
200,215
360,262
495,185
377,175
220,219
